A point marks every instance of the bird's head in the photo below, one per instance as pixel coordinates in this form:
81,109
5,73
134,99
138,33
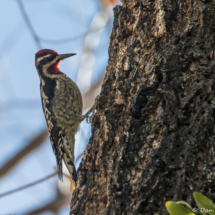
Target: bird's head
49,60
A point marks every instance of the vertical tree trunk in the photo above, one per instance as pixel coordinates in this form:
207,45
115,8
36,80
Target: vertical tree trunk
154,131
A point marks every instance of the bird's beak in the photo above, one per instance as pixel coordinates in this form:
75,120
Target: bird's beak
63,56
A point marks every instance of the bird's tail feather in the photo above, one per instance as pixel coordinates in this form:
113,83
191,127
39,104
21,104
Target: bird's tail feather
59,166
71,167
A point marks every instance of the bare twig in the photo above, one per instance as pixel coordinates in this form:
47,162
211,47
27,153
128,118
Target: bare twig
53,206
38,40
64,174
28,185
69,39
65,40
33,144
88,99
29,25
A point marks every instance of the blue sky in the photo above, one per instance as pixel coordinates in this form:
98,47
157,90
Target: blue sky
21,116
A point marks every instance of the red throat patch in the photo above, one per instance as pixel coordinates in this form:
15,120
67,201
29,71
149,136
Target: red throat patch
54,68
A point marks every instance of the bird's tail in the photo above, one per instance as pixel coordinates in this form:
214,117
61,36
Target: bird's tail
68,157
71,167
56,138
59,167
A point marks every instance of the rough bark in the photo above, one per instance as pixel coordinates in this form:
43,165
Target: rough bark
154,131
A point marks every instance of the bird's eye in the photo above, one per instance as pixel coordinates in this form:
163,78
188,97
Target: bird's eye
51,57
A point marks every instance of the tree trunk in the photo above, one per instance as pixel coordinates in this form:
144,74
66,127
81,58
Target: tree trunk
154,131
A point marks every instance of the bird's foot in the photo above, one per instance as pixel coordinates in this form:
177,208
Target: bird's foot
92,111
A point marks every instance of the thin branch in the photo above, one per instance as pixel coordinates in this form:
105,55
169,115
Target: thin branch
88,99
53,206
38,40
32,145
29,25
65,40
28,185
69,39
64,174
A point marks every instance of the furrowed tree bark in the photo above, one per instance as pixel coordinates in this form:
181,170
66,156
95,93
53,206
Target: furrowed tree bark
154,131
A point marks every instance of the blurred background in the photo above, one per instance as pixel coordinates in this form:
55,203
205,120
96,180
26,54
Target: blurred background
26,156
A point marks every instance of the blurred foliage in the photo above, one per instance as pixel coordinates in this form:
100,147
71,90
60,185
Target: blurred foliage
205,206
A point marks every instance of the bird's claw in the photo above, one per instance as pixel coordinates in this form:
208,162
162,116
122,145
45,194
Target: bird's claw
91,111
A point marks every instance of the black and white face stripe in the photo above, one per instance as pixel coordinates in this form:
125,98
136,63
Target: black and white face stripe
46,60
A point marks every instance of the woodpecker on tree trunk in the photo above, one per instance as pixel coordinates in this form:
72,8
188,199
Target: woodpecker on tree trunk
62,107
